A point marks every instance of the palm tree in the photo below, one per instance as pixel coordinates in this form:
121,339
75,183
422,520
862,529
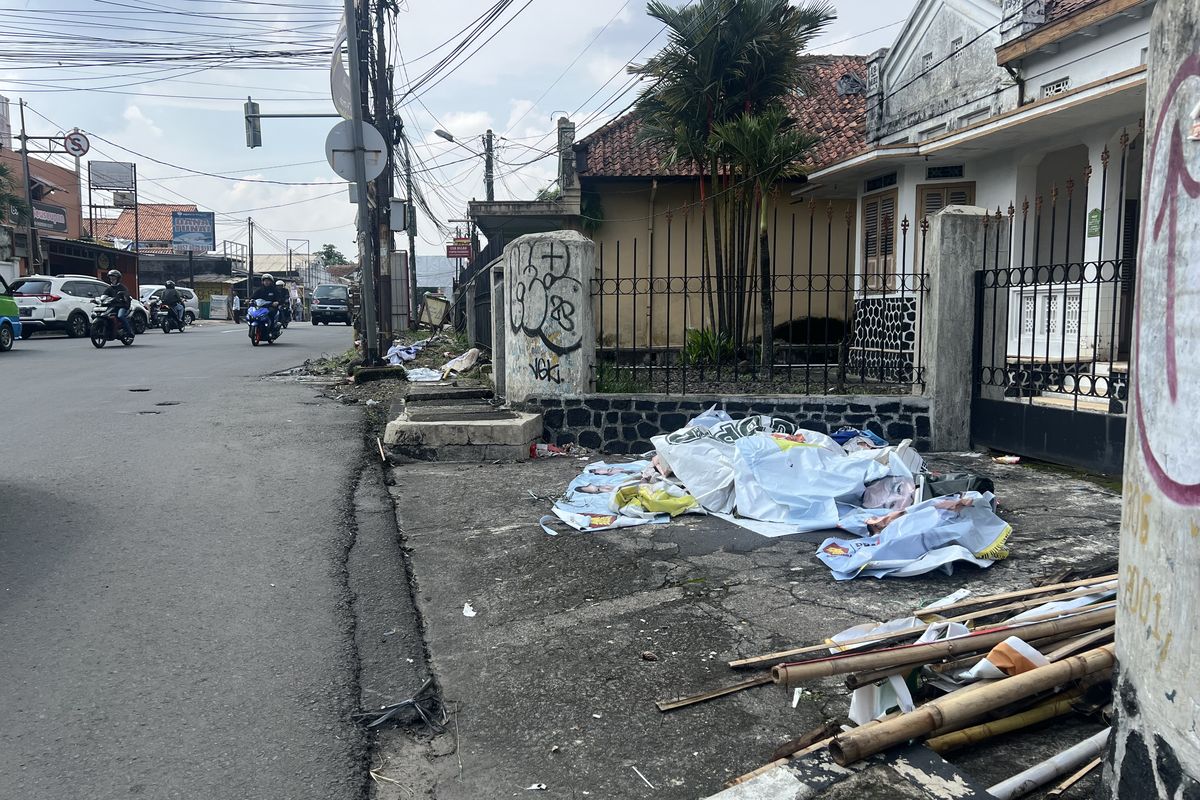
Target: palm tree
12,200
723,59
764,149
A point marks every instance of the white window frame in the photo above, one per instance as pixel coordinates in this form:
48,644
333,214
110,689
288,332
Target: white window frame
1056,87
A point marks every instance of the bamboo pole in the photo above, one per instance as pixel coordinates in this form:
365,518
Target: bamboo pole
873,639
1082,643
793,674
992,598
1055,707
1057,791
712,694
858,744
1058,765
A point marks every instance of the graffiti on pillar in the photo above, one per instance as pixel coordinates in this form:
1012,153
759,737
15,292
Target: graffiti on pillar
1171,237
546,369
545,299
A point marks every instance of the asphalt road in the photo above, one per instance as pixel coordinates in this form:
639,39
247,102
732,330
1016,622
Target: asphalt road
173,612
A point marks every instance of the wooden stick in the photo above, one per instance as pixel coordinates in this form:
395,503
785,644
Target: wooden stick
1055,707
874,638
991,598
712,694
1057,791
1024,605
1082,643
796,673
858,744
379,444
820,733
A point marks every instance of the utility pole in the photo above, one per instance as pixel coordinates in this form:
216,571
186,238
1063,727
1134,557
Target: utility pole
29,248
411,225
370,333
249,257
489,167
383,183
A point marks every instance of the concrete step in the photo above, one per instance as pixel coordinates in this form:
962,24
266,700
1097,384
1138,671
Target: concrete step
1068,401
462,430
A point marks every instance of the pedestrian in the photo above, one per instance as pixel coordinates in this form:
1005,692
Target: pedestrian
237,309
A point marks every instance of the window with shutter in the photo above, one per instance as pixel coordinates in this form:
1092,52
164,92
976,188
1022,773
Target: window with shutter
933,198
879,240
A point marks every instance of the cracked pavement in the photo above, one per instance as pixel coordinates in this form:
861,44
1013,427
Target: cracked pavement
548,682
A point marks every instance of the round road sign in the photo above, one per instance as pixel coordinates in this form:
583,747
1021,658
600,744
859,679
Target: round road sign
339,150
76,144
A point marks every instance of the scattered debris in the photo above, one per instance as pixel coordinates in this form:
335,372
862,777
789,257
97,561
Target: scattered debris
649,655
425,706
1007,459
372,402
423,375
537,787
379,444
640,775
468,610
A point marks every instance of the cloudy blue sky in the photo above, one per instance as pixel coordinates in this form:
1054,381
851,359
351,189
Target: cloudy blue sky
67,59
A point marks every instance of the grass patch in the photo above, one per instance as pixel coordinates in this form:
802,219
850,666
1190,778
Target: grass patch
611,379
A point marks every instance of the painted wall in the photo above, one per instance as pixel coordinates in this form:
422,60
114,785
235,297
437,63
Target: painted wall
916,97
68,197
548,349
652,265
1156,752
1114,46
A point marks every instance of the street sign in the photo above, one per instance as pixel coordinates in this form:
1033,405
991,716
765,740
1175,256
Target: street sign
458,251
253,124
124,200
76,144
340,88
339,150
461,240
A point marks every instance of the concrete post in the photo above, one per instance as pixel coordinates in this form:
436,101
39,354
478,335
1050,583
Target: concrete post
955,250
550,346
1155,752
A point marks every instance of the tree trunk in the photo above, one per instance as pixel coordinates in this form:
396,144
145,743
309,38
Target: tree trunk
718,254
768,303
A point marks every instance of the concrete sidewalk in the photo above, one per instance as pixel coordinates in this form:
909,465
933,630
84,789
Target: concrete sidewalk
550,681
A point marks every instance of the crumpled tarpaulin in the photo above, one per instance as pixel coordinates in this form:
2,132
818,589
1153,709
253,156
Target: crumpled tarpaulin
775,478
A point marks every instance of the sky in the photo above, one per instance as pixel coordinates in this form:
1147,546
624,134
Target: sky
179,110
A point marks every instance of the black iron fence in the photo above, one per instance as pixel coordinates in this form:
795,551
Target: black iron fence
671,319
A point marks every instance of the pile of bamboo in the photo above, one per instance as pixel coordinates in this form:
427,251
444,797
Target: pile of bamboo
951,712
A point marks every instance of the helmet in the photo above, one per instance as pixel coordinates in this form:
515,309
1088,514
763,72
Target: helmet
170,284
267,277
114,274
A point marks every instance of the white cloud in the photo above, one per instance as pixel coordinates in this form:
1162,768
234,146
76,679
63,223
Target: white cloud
137,122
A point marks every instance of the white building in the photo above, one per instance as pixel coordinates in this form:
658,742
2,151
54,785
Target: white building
1032,108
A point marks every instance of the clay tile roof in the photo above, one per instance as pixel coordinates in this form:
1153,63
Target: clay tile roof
613,151
1057,9
153,223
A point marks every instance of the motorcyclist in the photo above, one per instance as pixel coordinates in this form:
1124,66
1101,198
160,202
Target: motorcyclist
173,301
119,300
272,293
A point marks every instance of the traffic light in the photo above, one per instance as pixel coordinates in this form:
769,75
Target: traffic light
253,125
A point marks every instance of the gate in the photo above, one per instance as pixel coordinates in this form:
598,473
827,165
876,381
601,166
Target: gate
1052,330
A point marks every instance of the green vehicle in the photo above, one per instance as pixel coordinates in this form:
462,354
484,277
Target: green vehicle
10,318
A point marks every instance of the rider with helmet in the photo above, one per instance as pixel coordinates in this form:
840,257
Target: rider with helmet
274,294
120,299
173,302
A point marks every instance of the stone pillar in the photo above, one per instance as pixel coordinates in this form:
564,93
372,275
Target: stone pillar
1155,752
550,344
954,251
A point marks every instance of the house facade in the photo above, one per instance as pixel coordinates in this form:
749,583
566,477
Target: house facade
644,213
1031,109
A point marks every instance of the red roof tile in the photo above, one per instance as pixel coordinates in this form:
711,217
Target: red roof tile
1057,9
153,223
613,151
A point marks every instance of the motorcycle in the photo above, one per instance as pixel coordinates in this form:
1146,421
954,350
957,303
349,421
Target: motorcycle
106,326
168,321
258,318
285,316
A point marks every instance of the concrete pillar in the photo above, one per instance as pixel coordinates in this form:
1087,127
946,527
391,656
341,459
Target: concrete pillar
955,250
550,344
1155,752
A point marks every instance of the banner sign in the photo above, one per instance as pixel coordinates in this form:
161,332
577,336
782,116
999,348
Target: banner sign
49,218
193,231
458,251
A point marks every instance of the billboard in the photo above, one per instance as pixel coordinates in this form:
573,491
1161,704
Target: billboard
193,231
118,175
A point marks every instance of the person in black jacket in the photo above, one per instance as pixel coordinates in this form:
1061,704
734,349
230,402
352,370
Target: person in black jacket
120,299
173,301
271,292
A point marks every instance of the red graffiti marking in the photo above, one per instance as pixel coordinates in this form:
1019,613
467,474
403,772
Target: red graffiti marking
1175,177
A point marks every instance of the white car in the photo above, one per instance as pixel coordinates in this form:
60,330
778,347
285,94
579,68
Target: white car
191,303
64,303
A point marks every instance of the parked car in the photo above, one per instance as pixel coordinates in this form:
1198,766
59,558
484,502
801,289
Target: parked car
64,303
10,318
191,303
330,303
147,289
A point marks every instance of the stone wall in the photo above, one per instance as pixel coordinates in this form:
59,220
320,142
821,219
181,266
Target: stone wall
624,423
